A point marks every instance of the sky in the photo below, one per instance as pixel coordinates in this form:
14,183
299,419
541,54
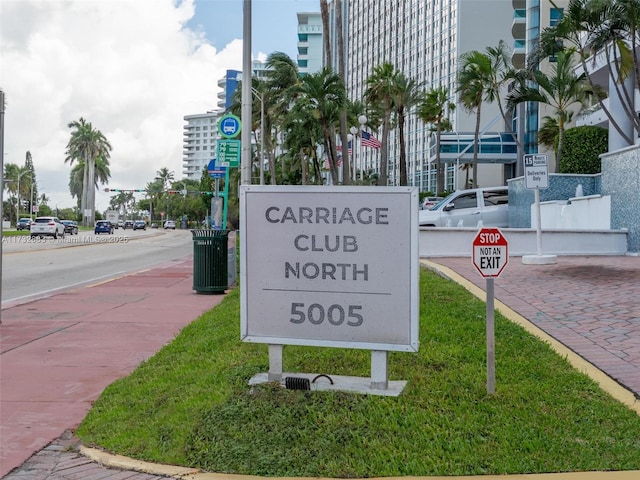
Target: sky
132,68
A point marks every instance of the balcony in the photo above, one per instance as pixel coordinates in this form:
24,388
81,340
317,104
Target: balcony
593,115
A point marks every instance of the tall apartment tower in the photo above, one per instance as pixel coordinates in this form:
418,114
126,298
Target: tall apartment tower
530,17
200,135
424,40
309,42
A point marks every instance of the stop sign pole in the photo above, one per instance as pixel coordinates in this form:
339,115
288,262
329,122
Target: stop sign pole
490,256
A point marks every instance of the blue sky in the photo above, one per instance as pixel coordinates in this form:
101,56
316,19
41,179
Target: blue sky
132,68
274,23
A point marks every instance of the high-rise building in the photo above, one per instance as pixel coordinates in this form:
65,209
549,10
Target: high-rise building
424,41
309,42
530,18
200,135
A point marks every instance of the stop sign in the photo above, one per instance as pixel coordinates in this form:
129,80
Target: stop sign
490,252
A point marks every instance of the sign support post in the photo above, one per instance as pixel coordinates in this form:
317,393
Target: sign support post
490,256
536,176
491,339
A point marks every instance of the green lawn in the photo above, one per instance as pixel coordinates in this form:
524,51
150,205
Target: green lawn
190,405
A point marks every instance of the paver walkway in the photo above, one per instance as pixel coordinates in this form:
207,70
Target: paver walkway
589,304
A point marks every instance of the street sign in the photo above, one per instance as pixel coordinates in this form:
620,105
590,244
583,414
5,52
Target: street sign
216,171
536,171
228,153
490,252
229,126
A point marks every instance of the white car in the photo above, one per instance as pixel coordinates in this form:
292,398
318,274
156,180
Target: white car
170,224
47,226
488,207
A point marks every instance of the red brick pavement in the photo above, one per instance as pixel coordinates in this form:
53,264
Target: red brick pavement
589,304
60,352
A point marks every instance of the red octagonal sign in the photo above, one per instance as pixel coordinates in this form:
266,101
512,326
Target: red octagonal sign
490,252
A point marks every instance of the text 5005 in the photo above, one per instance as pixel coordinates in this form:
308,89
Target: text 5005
334,314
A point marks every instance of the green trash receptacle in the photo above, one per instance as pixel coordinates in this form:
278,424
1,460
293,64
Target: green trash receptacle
210,260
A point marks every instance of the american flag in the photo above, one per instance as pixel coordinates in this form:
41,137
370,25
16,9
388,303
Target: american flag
339,148
369,140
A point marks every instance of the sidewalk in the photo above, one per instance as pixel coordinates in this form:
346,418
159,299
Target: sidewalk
59,353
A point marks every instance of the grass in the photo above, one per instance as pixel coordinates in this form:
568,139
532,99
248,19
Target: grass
190,405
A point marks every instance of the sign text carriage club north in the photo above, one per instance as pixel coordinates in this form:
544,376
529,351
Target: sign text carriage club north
330,267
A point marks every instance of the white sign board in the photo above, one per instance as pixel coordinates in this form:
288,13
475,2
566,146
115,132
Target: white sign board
536,171
330,266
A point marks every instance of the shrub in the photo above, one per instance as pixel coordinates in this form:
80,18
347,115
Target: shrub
581,149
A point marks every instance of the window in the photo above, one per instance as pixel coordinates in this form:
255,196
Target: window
468,200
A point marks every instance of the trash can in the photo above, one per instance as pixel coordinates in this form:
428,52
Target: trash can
210,260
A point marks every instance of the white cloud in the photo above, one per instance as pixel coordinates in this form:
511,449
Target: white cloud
129,67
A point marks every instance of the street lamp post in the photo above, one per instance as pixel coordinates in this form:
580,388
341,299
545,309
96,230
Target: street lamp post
261,98
362,120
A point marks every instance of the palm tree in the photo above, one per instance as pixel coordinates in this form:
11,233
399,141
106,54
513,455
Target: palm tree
87,144
560,88
435,109
326,93
302,134
474,77
595,29
380,92
405,97
502,75
281,89
165,177
19,180
101,175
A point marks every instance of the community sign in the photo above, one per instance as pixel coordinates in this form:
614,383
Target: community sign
330,266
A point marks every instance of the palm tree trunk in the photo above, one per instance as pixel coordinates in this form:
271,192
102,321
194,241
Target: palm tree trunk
346,164
476,148
91,191
383,177
324,12
403,150
85,183
439,169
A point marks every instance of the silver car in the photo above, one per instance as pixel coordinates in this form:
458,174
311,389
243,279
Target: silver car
488,207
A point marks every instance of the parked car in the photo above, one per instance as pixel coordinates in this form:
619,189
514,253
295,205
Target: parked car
120,224
127,224
430,202
70,227
170,224
23,224
154,225
47,226
467,208
139,225
103,226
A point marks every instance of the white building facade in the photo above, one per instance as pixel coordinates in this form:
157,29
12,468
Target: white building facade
309,45
200,136
424,40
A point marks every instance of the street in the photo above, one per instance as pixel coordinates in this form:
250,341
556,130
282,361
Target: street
33,268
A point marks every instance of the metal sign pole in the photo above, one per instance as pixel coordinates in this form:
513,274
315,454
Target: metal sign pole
539,222
491,340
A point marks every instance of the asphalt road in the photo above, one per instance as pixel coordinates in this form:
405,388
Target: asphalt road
34,268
